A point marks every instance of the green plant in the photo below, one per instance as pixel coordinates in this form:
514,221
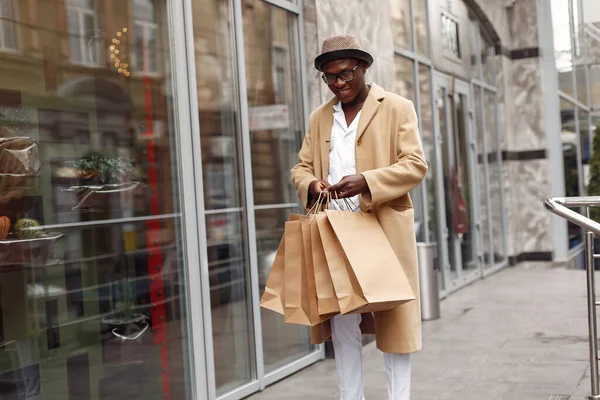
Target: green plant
28,228
594,185
105,169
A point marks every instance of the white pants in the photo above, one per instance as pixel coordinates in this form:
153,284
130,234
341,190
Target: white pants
347,345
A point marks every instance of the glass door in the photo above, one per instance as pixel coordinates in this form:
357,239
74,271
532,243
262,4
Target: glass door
456,189
251,116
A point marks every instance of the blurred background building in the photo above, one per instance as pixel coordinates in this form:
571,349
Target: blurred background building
166,131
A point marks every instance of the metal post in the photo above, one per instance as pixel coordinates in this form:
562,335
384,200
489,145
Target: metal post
591,298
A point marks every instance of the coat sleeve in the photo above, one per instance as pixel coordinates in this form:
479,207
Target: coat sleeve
389,183
303,173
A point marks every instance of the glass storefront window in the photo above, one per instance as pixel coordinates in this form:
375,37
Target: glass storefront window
495,177
426,119
482,160
563,49
92,269
405,80
586,146
274,100
421,27
282,343
428,138
401,24
276,131
229,300
571,173
227,246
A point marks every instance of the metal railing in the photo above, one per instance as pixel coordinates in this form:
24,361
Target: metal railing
560,207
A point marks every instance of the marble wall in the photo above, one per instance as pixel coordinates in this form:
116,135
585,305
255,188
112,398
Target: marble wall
523,24
527,131
311,49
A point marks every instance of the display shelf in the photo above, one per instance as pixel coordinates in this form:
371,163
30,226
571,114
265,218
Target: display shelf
29,252
101,197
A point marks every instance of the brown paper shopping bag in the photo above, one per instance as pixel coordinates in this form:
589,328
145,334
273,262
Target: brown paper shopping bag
295,299
347,289
327,301
378,277
272,297
309,271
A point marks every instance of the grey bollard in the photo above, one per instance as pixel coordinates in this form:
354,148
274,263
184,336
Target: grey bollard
428,281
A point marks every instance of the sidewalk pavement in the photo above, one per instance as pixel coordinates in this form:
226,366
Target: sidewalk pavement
520,334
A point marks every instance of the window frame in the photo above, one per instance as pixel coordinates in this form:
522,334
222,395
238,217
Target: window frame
85,49
4,20
143,67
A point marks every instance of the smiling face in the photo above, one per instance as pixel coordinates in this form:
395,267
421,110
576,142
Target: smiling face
347,92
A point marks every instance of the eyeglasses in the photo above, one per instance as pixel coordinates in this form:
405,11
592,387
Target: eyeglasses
345,76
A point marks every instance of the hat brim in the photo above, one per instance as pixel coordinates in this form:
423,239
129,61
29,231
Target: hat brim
342,54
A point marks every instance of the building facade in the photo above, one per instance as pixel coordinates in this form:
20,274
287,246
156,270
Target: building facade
145,150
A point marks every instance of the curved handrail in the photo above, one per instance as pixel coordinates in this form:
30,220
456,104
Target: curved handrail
559,206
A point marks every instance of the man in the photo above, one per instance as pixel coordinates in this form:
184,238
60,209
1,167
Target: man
364,145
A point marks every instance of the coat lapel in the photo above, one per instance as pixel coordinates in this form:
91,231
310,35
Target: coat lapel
325,126
376,94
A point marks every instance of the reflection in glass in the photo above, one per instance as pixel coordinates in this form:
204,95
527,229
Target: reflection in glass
221,155
461,191
232,336
484,182
442,111
585,145
563,49
421,27
8,26
570,142
92,287
426,120
594,85
461,250
85,44
428,138
275,108
405,80
282,343
495,177
401,24
219,125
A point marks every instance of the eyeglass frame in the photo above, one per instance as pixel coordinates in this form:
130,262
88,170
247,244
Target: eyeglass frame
337,76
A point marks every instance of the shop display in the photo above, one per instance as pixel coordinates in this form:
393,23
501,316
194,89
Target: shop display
4,227
103,181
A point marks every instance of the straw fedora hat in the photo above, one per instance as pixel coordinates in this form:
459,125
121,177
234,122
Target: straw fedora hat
340,47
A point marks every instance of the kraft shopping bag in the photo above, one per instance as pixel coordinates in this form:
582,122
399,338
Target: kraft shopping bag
347,289
376,273
327,301
309,274
296,303
272,298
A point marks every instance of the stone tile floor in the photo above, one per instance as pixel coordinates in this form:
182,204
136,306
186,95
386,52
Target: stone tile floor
520,334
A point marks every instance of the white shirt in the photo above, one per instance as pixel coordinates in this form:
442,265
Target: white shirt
342,151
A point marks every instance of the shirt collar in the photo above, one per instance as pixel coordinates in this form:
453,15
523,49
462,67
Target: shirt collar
337,107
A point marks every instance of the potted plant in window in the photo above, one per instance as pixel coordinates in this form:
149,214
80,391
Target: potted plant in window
101,181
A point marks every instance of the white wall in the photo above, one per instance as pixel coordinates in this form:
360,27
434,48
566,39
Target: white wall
591,10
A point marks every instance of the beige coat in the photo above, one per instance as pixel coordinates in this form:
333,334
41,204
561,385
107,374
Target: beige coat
389,154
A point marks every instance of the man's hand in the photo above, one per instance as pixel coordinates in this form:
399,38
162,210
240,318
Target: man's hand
315,188
350,186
